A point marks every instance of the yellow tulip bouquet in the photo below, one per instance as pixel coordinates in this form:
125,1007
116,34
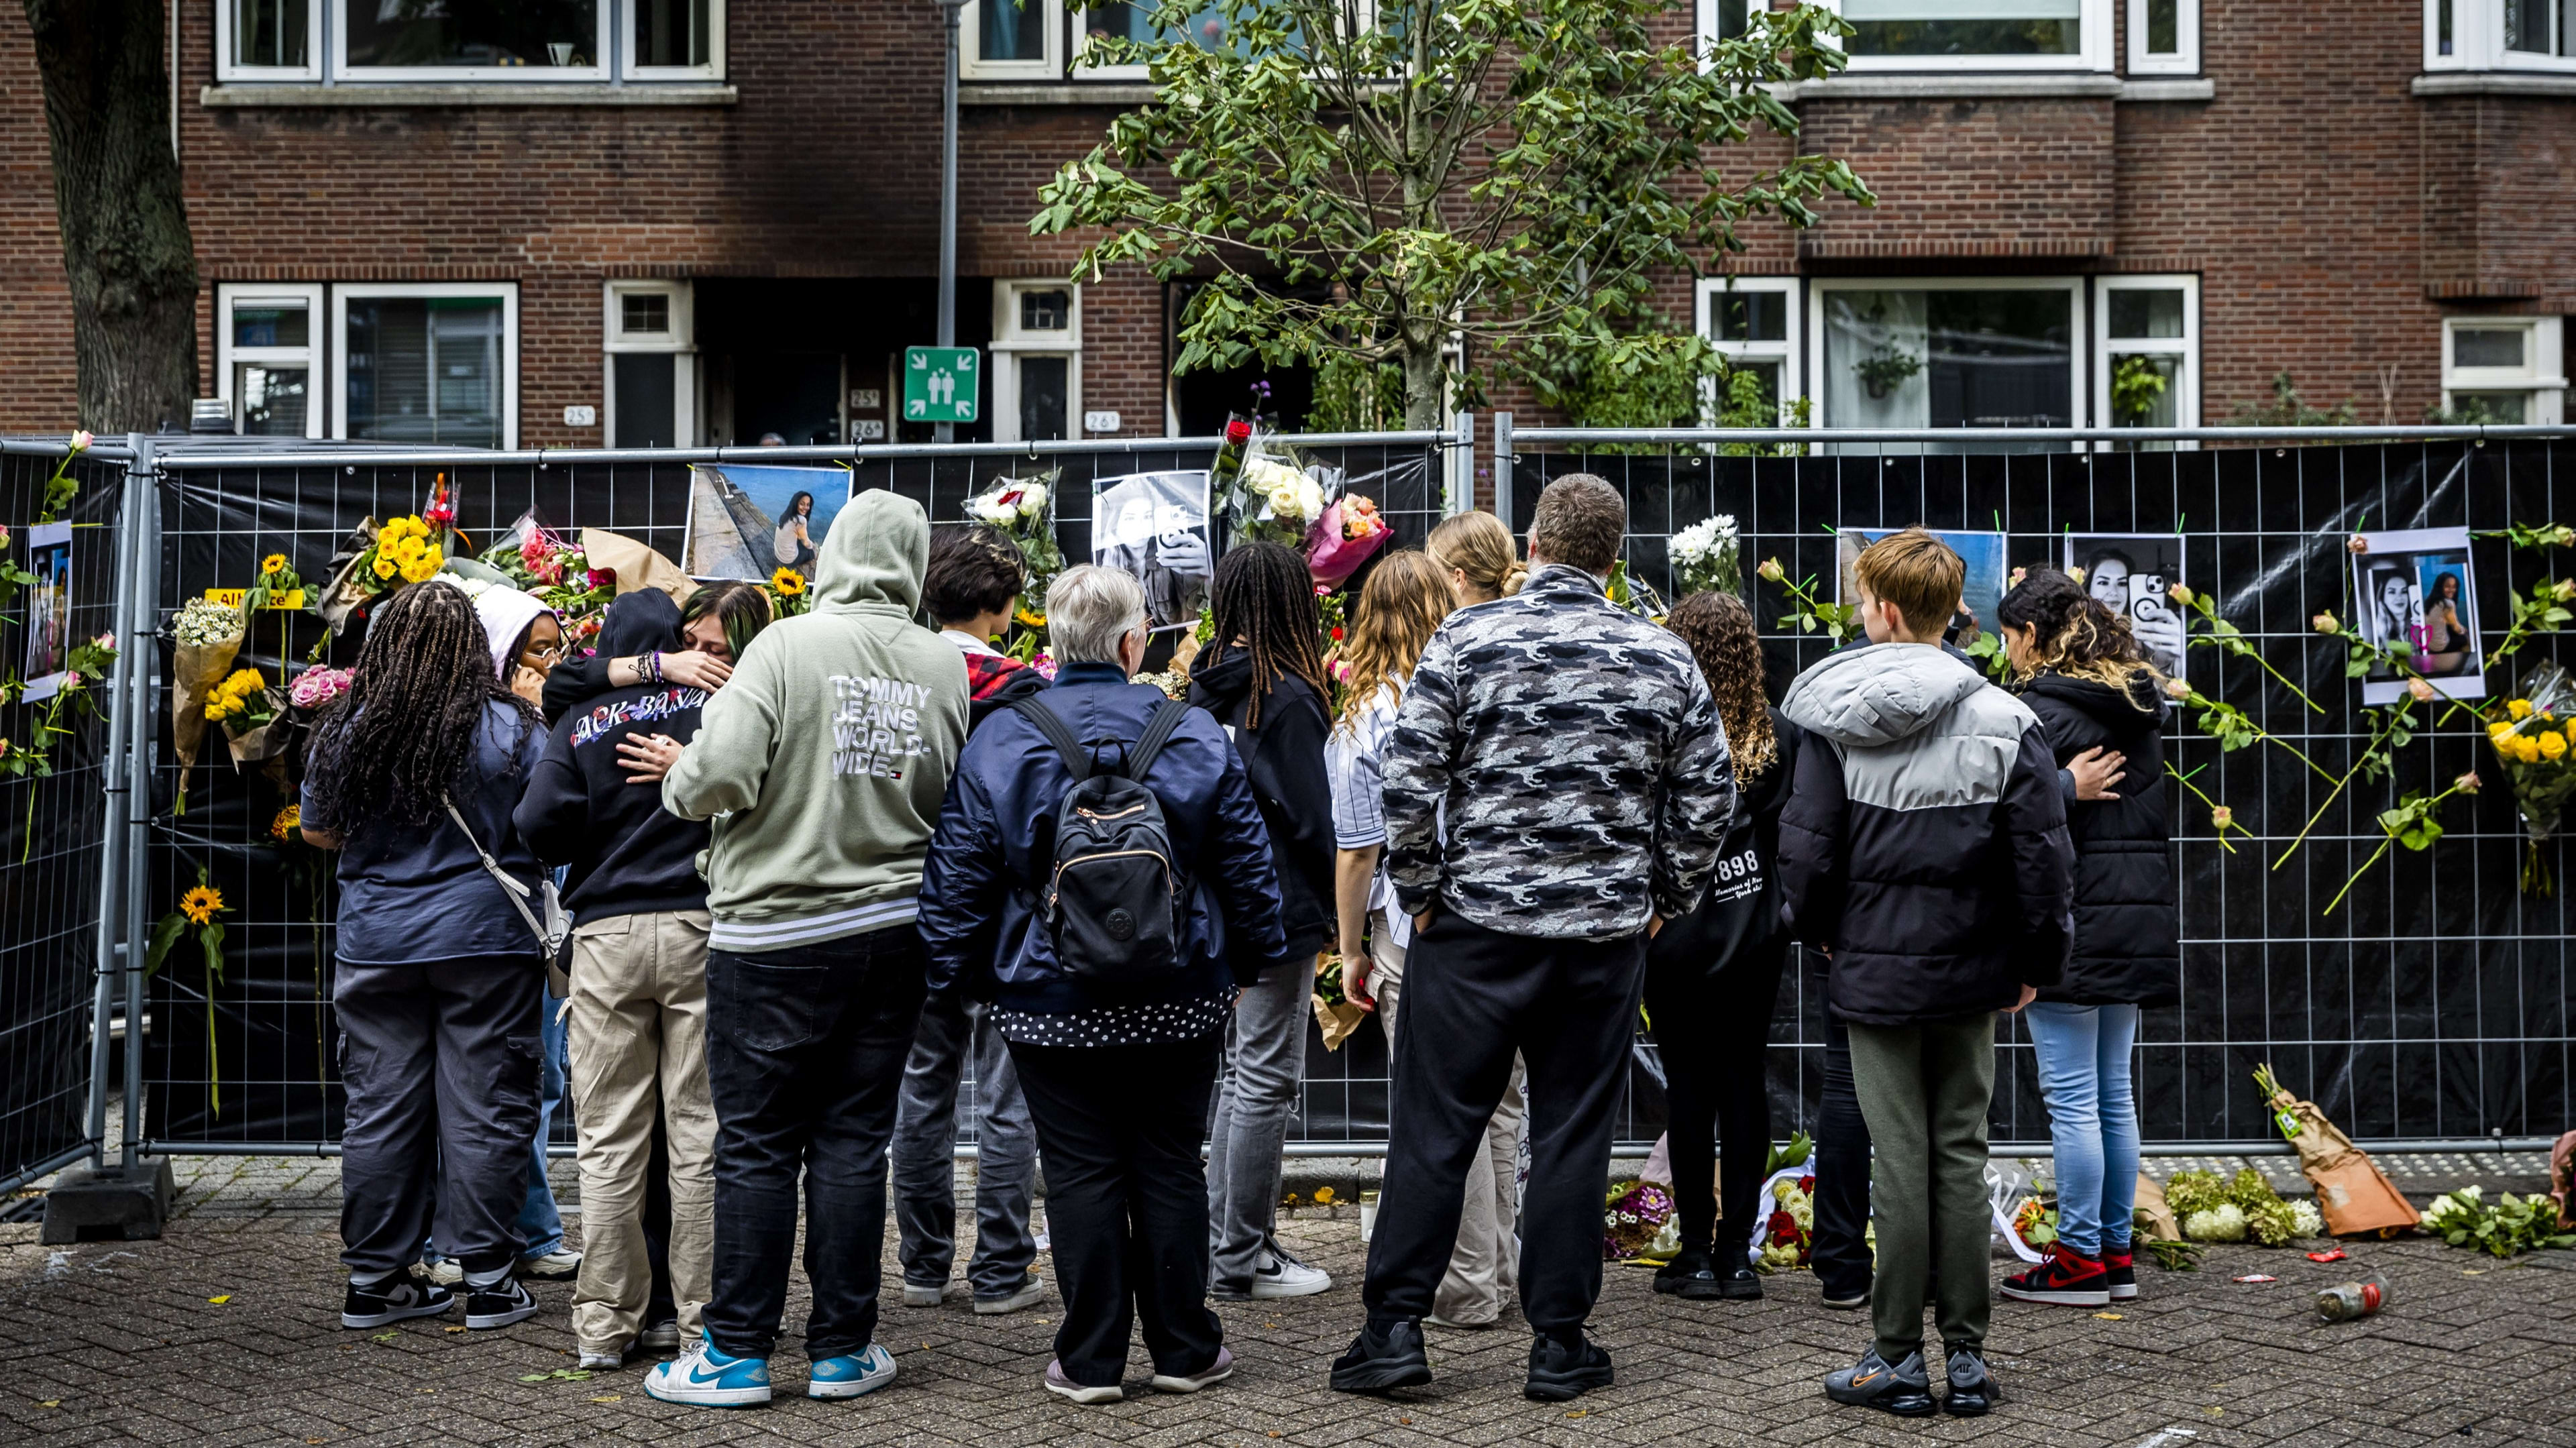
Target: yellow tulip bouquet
2535,743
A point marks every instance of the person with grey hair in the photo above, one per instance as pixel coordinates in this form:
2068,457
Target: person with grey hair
1117,1075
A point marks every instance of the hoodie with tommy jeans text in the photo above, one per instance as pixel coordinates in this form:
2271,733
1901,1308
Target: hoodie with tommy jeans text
824,758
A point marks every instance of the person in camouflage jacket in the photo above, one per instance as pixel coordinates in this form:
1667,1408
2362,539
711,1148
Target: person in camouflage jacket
1557,784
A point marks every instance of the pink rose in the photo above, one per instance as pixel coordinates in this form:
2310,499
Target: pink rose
316,687
82,440
2421,690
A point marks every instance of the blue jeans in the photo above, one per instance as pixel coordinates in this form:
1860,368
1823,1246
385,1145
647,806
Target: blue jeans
2092,1117
540,1224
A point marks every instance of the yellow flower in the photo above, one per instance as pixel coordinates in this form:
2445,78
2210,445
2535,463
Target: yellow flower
421,570
245,682
273,563
2552,745
2518,708
200,904
384,566
288,821
219,708
2571,731
788,582
2526,749
2499,729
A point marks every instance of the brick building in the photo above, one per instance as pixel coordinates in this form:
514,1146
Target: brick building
581,222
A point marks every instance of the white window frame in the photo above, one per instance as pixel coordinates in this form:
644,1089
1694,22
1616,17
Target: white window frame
228,296
1049,66
2096,15
2107,350
2539,375
2477,40
2079,323
632,69
597,70
227,68
680,344
337,340
1790,353
2184,59
1063,33
1010,344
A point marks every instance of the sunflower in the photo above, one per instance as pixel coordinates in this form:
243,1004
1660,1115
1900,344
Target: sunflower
788,582
1029,618
200,904
274,563
290,819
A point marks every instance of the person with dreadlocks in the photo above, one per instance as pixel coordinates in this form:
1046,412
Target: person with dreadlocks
439,977
2088,678
1713,975
1263,678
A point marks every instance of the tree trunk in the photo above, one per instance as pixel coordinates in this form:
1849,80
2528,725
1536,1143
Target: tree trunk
126,248
1426,383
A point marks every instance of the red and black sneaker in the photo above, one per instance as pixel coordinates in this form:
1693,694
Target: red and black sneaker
2122,1272
2064,1278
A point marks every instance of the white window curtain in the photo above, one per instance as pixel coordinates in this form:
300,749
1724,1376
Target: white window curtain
1869,339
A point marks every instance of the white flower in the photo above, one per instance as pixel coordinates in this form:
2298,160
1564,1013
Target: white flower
2222,1223
1267,475
202,622
1033,498
1310,499
2308,1221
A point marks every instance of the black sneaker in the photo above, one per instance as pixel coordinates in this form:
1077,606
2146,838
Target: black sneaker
400,1296
1561,1372
1904,1389
1972,1388
1691,1276
504,1302
1385,1355
1739,1282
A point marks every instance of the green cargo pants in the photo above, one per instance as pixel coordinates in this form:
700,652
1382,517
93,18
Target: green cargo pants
1924,1091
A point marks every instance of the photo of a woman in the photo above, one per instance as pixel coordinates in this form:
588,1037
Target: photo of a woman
2411,595
2390,598
794,545
2446,643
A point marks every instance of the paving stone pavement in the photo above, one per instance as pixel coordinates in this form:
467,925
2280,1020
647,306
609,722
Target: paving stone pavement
226,1332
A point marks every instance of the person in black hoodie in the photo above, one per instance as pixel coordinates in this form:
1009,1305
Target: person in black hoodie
639,983
1713,976
1264,680
2089,681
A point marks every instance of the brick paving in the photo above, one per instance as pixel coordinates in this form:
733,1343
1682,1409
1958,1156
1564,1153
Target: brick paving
117,1342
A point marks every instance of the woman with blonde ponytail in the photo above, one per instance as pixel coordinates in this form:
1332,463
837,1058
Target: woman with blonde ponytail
1477,551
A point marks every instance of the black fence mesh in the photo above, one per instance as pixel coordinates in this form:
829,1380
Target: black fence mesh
2434,1001
52,811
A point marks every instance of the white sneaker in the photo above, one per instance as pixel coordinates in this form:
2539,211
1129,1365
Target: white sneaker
1281,1275
707,1378
561,1265
1031,1292
916,1294
447,1273
601,1359
851,1375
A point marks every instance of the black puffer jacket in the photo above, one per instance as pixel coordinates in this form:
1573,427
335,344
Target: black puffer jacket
1740,914
1284,755
2127,950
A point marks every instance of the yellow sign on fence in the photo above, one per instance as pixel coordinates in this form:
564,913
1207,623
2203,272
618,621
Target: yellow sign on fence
290,600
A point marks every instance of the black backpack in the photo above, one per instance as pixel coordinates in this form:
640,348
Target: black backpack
1112,902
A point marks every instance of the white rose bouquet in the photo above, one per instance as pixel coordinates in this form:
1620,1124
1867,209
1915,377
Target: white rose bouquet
1705,557
1024,509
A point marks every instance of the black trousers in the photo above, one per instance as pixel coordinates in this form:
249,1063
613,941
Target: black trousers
1714,1027
1472,997
805,1052
1126,1199
1841,1248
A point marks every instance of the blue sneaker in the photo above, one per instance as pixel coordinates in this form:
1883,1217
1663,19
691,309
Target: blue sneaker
708,1379
851,1374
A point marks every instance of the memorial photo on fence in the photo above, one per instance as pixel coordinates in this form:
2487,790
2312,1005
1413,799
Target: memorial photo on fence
48,608
2411,590
2133,574
1154,527
748,522
1983,553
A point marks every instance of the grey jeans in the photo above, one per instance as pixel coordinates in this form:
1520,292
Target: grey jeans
1265,1062
439,1060
925,1167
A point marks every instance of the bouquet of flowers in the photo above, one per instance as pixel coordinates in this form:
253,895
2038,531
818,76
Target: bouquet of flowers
1348,534
1638,1223
1704,557
1024,508
1784,1237
1269,496
2514,1225
208,635
405,552
1336,1014
246,707
788,593
316,689
2535,743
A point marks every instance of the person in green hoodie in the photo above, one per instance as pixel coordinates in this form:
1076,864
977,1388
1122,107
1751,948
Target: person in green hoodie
822,762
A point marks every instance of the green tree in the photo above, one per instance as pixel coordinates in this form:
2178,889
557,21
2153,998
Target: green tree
1509,173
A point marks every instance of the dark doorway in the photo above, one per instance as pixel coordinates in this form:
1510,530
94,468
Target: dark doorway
810,358
1201,399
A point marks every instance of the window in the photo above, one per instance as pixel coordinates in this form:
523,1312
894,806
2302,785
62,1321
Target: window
1037,361
430,363
2148,339
2164,37
652,365
1045,39
1754,323
524,41
1976,34
1959,352
266,343
2503,370
2500,35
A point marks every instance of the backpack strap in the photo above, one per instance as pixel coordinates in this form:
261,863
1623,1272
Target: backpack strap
1077,760
1140,755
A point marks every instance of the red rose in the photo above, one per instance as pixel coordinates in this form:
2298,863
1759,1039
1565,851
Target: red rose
1807,1183
1783,1225
1238,431
1337,635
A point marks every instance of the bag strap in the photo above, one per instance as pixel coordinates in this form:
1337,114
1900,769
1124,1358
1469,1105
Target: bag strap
1140,755
509,884
1077,760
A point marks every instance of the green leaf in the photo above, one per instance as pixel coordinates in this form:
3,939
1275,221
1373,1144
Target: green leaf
164,935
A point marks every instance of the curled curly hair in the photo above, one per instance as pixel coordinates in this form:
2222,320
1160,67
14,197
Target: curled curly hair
404,735
1720,632
1261,595
2075,635
1401,606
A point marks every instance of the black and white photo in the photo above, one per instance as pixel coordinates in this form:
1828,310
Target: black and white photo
1154,527
2133,575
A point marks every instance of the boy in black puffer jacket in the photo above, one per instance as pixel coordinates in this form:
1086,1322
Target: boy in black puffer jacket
1925,848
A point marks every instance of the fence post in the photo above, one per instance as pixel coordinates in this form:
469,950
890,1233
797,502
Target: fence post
1503,467
1462,466
130,1200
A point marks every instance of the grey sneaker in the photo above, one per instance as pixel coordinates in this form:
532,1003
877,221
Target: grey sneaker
1972,1388
1215,1372
561,1265
1064,1387
663,1336
1904,1389
1030,1293
924,1294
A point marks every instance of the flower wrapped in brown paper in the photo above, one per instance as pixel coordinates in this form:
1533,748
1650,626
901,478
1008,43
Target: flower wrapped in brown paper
2354,1195
635,564
207,635
1335,1014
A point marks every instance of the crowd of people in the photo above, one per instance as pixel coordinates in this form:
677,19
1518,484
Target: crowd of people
820,868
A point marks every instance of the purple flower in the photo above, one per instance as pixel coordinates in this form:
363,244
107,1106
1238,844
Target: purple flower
316,687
